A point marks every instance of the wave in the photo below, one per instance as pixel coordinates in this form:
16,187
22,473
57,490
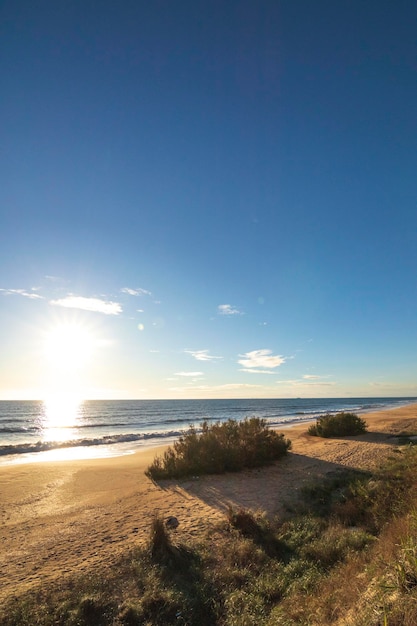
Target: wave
16,429
106,440
44,446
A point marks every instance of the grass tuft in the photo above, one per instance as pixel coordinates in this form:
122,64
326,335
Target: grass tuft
160,544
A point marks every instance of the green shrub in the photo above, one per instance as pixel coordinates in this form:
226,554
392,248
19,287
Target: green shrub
338,425
335,492
334,544
258,529
223,447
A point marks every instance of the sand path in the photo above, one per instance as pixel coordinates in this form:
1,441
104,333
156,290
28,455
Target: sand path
60,518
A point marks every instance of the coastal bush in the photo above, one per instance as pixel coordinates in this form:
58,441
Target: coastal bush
245,522
338,425
222,447
257,528
337,489
334,544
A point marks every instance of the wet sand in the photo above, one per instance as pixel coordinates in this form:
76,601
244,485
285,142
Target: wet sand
60,518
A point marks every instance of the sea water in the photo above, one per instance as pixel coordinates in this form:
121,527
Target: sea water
36,430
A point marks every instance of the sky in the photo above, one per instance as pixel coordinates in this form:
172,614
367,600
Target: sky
208,199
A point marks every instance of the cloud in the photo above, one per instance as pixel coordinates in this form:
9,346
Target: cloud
53,279
255,371
227,309
195,374
315,377
319,384
382,385
136,292
260,359
237,386
21,292
89,304
220,387
202,355
303,383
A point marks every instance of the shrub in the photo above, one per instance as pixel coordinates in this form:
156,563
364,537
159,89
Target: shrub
338,425
334,544
335,493
92,611
258,529
245,523
223,447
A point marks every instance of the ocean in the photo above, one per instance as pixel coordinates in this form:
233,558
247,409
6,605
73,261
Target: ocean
36,431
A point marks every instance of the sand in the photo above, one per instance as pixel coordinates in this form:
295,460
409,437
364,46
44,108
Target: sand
61,518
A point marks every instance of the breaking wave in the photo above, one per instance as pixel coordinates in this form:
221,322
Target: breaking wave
44,446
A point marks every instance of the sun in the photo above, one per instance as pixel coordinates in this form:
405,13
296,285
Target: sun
68,350
68,347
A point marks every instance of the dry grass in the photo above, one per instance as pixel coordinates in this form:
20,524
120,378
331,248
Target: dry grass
349,559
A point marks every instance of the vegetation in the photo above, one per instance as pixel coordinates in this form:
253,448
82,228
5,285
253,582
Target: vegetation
338,425
353,527
222,447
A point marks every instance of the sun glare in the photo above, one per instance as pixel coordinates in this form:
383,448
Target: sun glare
68,346
61,414
68,349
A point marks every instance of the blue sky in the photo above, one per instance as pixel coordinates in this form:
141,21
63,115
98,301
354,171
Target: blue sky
208,199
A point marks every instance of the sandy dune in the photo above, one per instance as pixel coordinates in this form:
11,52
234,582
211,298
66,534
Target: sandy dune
62,517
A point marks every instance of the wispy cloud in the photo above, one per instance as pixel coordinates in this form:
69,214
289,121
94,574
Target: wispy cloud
393,386
202,355
228,309
192,374
237,386
138,291
263,359
304,383
53,279
89,304
315,377
21,292
214,388
255,371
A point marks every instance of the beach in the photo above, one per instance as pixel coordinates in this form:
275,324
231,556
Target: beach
65,517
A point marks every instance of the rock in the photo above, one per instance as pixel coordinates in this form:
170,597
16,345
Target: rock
171,522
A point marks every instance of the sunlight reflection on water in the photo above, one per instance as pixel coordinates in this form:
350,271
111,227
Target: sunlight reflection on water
62,416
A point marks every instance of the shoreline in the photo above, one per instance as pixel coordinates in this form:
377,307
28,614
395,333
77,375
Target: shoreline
72,452
62,518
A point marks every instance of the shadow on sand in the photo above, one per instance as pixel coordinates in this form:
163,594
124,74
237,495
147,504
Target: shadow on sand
277,489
